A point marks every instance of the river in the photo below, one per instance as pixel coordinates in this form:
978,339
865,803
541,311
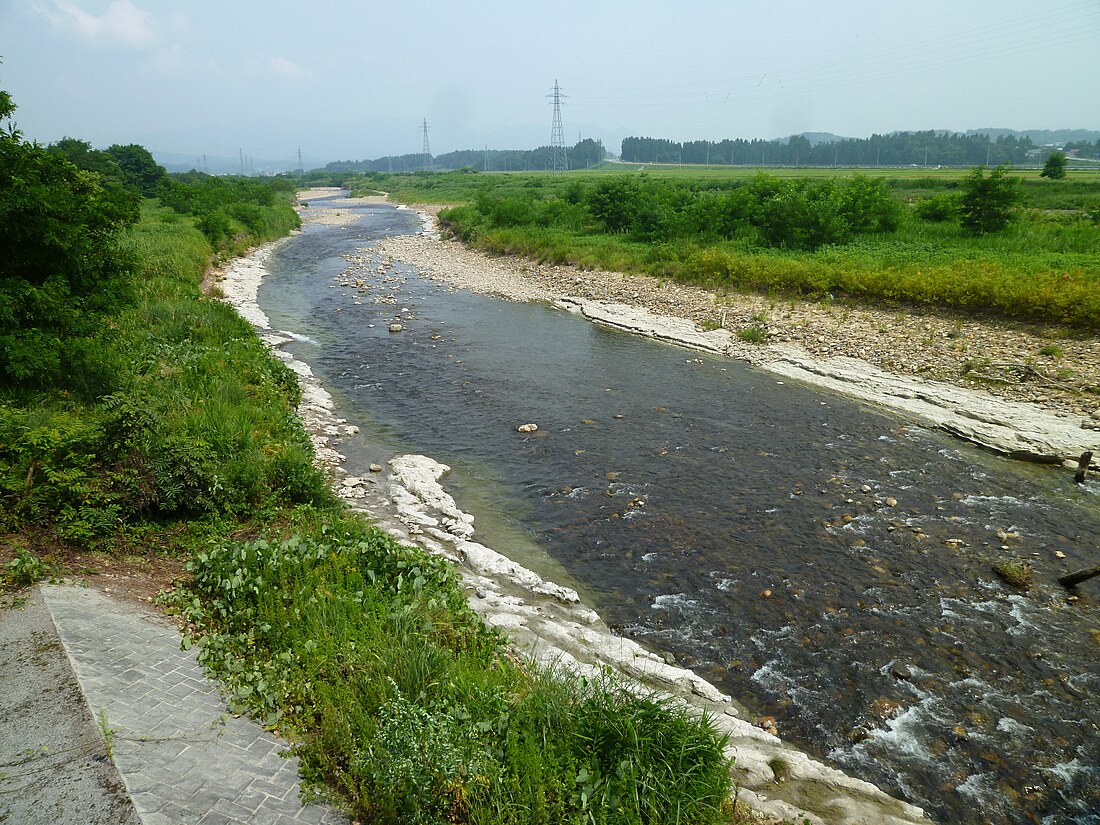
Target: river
823,562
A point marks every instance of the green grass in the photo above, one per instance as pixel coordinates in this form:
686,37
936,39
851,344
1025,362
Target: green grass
1016,573
407,709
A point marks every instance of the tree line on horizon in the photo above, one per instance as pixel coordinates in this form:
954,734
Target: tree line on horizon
581,155
926,148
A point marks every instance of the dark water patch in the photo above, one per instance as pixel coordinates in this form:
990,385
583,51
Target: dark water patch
825,563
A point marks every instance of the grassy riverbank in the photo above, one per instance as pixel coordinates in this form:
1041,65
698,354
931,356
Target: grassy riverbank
155,425
407,709
890,239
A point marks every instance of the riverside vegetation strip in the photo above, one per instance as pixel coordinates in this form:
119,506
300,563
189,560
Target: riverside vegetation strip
165,427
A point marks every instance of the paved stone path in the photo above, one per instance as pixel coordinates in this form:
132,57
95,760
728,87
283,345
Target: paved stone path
181,755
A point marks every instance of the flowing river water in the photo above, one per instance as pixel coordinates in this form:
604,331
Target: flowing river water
823,562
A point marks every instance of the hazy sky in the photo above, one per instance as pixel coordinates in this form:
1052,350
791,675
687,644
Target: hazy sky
350,80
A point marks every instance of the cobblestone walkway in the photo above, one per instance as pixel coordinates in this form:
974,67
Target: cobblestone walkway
182,756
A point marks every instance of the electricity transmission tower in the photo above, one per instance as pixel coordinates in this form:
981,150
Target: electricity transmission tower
559,161
427,151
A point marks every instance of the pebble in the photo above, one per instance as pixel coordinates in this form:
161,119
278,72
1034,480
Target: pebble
396,327
376,468
527,428
901,672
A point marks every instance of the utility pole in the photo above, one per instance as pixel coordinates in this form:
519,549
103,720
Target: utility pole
558,157
486,157
301,166
241,151
427,151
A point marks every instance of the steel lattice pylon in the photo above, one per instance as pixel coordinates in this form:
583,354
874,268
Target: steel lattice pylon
559,160
427,151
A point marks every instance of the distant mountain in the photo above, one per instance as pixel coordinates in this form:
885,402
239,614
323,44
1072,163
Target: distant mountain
815,138
1042,137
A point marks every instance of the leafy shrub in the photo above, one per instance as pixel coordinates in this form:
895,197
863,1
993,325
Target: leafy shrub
215,226
25,569
614,202
61,263
802,216
868,207
987,202
937,209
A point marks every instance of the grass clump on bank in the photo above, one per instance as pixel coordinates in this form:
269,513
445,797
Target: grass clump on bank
409,710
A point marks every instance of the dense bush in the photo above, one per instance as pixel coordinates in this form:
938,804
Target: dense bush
126,397
937,209
227,207
62,265
199,423
766,211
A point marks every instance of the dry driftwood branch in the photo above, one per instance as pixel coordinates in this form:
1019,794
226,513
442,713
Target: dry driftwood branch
1075,578
1029,371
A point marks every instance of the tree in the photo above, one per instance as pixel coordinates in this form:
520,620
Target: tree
138,168
1055,167
61,265
987,202
81,155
